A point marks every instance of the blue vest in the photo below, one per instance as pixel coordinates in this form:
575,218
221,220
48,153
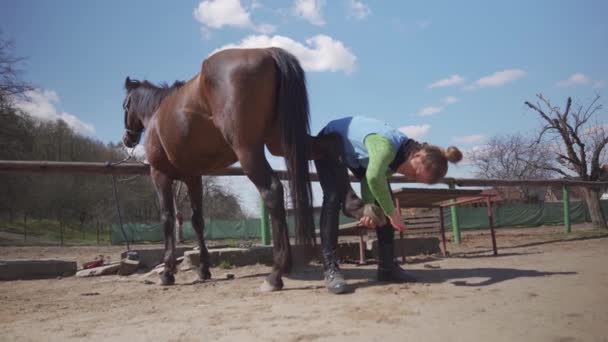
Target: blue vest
354,130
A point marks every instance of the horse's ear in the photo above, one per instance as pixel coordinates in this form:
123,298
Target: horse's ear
129,84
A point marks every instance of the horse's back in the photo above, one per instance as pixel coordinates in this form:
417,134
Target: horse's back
239,86
183,138
237,67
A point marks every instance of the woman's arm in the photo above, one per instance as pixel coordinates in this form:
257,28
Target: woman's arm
375,186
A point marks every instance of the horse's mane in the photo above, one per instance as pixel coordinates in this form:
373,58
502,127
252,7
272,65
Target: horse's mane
148,96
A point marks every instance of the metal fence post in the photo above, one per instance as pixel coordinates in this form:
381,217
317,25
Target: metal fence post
454,214
264,224
566,201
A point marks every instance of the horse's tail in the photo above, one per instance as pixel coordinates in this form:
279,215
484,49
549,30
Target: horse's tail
294,121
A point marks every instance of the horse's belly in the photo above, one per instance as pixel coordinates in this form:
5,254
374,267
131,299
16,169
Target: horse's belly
201,151
203,154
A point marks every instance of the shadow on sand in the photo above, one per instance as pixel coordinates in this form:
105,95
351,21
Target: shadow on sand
471,277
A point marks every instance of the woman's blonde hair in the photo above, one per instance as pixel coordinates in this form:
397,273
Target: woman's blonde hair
436,160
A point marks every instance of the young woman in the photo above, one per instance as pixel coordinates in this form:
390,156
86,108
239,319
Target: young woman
372,151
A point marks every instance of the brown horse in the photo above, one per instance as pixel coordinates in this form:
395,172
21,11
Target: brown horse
241,101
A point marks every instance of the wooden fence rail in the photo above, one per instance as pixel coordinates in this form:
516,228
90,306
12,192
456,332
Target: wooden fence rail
130,168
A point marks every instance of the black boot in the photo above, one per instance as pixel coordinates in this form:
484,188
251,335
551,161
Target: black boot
334,280
388,269
333,176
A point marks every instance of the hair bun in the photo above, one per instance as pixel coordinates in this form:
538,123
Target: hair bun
453,154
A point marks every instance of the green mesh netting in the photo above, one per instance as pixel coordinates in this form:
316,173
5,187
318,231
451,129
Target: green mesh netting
215,229
505,215
520,215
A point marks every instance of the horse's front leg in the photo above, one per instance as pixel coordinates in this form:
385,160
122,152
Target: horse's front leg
164,190
195,192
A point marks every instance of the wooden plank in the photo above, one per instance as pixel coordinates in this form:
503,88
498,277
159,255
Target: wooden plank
464,201
432,231
416,224
414,221
128,266
36,269
99,271
422,226
130,168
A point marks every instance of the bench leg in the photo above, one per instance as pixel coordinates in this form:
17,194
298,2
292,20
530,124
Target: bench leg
361,250
442,226
491,223
402,247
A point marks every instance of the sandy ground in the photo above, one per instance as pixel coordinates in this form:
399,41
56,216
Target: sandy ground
545,286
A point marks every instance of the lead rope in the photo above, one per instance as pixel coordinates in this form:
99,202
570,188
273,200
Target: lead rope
130,155
122,229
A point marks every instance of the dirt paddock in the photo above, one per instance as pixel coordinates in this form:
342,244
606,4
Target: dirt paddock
544,286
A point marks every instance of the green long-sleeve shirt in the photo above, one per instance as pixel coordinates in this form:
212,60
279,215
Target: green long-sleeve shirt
374,187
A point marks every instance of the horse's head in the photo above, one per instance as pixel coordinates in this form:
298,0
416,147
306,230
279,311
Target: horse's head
134,126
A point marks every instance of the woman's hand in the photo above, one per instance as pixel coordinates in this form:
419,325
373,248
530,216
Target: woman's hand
396,221
367,222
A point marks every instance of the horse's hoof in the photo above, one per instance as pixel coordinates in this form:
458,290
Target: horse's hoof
267,287
375,213
204,275
167,279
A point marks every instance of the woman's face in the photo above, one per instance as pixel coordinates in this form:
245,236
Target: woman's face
415,169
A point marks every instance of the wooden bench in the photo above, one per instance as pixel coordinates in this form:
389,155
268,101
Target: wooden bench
424,214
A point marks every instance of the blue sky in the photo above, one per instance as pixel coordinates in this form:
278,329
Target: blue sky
455,72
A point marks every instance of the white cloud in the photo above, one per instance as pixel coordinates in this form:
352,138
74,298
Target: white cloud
470,153
276,163
597,129
497,79
415,132
41,104
255,4
471,139
358,10
574,80
423,24
450,100
599,84
215,14
139,152
311,10
430,110
320,53
447,82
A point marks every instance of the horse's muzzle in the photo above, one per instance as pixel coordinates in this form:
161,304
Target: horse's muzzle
131,140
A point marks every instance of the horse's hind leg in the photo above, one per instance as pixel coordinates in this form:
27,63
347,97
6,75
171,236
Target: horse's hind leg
163,185
195,192
258,170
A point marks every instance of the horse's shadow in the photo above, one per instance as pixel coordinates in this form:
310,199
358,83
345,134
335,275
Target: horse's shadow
471,277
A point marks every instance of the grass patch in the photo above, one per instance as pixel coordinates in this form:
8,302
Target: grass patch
51,231
225,265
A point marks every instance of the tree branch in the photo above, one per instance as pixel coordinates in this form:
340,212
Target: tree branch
560,124
595,160
540,111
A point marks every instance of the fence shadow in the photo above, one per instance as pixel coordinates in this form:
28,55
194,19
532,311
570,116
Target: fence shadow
471,277
484,252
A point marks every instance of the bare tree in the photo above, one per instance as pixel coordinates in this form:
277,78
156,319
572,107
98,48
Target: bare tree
10,82
513,157
218,202
578,144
